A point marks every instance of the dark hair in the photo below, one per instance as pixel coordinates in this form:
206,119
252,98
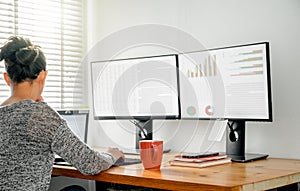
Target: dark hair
23,60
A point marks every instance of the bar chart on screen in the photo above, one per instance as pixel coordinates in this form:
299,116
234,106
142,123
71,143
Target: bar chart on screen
204,69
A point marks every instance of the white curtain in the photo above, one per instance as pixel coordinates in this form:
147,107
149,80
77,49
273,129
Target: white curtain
57,26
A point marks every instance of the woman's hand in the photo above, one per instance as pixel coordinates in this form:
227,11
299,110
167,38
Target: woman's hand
116,153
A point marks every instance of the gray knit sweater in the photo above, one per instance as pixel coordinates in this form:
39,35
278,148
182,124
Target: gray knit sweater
30,133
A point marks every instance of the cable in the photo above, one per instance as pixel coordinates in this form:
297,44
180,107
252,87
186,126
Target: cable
143,131
233,135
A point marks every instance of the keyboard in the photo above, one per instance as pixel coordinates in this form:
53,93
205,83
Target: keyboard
137,151
127,161
60,161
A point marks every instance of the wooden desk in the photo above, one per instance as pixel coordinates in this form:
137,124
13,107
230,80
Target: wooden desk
258,175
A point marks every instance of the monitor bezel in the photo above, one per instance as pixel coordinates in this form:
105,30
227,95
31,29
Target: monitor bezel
268,70
143,117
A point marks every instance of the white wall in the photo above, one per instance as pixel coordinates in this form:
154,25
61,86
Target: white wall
213,23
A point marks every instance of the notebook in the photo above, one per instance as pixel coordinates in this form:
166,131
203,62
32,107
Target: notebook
77,120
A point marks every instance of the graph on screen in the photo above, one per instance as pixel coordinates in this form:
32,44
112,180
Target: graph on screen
225,83
136,87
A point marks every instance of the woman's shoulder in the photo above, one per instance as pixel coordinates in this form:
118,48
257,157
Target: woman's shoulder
44,109
36,109
33,112
46,115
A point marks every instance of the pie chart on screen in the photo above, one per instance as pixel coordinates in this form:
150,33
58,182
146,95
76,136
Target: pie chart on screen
191,110
209,110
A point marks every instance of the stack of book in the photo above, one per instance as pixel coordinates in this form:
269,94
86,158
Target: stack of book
200,161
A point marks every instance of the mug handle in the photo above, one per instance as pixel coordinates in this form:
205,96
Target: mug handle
154,152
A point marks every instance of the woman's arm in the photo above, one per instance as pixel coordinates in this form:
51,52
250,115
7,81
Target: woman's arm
88,161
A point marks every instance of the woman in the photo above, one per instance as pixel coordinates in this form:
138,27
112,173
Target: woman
31,131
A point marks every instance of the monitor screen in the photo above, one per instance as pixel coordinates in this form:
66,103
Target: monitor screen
231,83
139,88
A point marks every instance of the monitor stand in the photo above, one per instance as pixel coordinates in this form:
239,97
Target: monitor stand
235,143
144,131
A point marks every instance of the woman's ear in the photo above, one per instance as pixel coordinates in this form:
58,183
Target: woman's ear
7,79
42,76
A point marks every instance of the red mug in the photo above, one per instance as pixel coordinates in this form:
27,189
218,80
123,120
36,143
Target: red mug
151,153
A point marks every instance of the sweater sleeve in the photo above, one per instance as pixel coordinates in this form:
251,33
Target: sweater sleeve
88,161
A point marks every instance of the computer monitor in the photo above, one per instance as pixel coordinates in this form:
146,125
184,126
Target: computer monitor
137,89
77,120
231,83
